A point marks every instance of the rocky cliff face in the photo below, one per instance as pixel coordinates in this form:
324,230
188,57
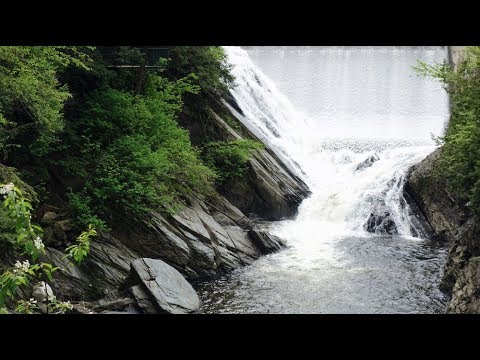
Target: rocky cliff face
206,238
451,220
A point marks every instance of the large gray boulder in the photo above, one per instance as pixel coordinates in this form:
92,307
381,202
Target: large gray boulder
166,287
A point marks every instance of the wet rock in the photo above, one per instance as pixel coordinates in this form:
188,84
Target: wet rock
267,243
59,233
165,286
268,190
49,237
202,240
443,211
466,291
367,162
116,305
381,224
80,308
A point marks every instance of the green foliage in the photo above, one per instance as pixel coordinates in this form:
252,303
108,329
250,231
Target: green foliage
460,157
208,63
55,306
79,251
229,158
113,150
136,156
81,204
19,209
31,97
26,306
28,239
19,276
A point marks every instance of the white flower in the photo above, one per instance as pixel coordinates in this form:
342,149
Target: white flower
6,189
38,243
33,301
25,265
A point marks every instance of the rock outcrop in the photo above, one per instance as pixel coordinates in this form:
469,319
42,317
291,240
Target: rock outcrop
451,220
204,239
270,190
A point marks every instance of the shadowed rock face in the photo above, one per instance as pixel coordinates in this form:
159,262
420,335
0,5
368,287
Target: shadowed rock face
451,220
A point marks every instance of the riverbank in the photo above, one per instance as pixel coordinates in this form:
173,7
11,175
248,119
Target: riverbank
203,240
452,221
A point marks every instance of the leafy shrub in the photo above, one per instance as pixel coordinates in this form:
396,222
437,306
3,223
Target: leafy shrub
28,239
229,158
208,63
135,155
460,158
31,97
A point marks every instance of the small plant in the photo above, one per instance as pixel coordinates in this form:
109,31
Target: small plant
28,239
79,251
58,307
229,158
26,307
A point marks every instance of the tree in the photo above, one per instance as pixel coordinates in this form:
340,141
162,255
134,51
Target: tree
460,157
31,97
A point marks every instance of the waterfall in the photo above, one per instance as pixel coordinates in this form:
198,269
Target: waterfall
351,121
346,116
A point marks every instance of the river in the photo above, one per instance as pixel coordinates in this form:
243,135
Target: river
350,121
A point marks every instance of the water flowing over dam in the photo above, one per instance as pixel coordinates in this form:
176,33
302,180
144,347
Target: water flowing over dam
350,121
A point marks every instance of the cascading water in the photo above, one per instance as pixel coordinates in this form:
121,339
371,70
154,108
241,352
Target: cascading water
350,121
